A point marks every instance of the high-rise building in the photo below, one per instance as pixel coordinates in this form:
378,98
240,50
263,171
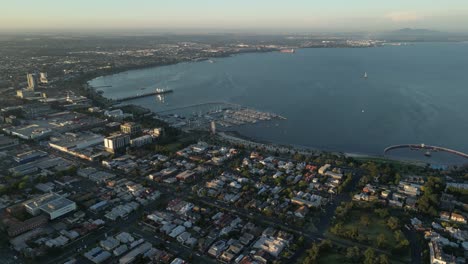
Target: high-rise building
116,142
43,78
213,127
130,128
32,81
140,141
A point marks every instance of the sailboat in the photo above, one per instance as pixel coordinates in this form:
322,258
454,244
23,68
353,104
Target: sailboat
365,75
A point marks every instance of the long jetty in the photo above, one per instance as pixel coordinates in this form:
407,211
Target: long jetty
426,147
199,105
131,97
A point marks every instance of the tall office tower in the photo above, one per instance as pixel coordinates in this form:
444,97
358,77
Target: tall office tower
32,81
213,127
116,142
43,78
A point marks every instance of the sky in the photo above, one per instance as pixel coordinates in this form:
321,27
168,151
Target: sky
248,15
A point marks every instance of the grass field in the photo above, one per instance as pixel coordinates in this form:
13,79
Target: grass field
376,227
333,258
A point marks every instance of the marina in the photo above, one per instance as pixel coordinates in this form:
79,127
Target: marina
201,116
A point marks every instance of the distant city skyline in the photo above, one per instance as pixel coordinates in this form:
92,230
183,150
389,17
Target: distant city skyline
242,15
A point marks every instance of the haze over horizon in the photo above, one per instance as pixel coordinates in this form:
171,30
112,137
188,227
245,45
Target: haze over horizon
240,15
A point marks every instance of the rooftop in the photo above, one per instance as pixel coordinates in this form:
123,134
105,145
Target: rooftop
48,202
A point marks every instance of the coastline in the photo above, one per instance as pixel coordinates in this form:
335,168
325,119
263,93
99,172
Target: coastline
114,71
105,73
235,137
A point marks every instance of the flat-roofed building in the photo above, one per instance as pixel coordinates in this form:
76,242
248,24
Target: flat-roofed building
132,255
141,141
324,168
51,204
7,142
43,78
131,128
29,156
17,228
70,141
26,93
29,132
32,80
116,142
186,176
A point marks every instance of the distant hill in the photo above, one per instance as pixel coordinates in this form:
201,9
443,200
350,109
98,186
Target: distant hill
420,35
415,31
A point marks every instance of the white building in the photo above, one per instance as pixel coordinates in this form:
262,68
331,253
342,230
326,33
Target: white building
43,77
68,141
273,246
141,141
438,256
410,188
114,113
116,142
32,81
324,168
131,256
52,204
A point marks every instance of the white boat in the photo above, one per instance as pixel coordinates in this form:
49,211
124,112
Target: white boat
365,75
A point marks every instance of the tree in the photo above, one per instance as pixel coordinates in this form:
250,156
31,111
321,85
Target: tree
22,185
382,213
393,223
312,254
353,253
397,178
300,240
398,236
268,212
298,157
369,256
325,245
354,232
401,241
428,202
383,259
365,220
3,189
279,181
337,229
373,169
381,240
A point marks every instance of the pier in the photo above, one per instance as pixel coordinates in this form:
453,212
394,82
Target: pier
426,147
235,106
131,97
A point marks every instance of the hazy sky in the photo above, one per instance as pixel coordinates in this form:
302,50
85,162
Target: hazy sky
277,15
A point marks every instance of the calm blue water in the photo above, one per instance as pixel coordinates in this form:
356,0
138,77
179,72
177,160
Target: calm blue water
414,94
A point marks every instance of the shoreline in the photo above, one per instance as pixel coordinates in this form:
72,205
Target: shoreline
175,62
237,138
203,59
